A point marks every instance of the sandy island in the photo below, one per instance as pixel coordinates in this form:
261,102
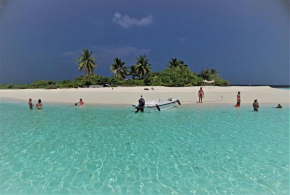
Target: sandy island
130,95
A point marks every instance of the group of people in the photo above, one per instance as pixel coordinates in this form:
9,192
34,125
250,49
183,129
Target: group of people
141,104
38,105
255,104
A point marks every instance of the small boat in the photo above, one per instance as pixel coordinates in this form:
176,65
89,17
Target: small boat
158,105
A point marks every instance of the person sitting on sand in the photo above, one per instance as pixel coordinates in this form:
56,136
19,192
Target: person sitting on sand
200,95
256,105
238,100
140,105
39,105
30,104
279,106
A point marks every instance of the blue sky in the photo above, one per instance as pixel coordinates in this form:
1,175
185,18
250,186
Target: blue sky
246,41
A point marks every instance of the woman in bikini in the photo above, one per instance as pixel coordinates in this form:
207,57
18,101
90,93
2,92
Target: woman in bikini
200,95
39,105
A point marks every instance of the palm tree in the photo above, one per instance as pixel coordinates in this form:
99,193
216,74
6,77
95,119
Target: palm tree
86,63
208,74
213,71
132,71
173,63
142,66
119,68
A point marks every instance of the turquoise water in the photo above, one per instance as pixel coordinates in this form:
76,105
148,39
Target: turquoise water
195,149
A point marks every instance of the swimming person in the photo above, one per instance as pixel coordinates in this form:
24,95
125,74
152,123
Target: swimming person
279,106
39,105
238,100
200,95
30,103
256,105
140,105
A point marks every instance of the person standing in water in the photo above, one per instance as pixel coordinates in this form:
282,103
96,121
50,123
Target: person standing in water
140,105
200,95
238,100
39,105
256,106
30,103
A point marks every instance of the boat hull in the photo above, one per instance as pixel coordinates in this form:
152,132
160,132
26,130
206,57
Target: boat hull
159,105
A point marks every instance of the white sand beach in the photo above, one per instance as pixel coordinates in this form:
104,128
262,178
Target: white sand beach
130,95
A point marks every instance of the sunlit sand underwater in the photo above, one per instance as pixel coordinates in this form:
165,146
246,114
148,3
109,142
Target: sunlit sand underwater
192,149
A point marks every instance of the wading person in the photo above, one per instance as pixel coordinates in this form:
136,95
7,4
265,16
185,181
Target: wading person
30,103
238,100
256,106
140,105
39,105
200,95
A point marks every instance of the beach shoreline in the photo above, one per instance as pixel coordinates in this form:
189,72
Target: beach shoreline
130,95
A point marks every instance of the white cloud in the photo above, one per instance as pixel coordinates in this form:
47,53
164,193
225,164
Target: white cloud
127,21
182,39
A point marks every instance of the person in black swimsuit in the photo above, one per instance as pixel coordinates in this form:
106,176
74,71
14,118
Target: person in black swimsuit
140,105
256,106
30,104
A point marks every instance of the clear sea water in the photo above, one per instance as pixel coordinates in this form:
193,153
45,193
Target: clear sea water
193,149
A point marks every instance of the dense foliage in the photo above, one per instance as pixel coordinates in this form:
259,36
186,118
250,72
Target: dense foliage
176,75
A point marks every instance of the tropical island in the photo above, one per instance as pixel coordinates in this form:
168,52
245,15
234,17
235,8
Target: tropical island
176,74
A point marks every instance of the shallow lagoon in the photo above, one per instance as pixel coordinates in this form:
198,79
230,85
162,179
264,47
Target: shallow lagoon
198,149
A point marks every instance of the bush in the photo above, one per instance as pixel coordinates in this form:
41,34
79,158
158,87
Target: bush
65,81
51,82
10,86
23,86
222,82
176,77
39,84
51,87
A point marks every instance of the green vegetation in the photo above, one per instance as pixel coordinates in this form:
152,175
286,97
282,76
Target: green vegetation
177,74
